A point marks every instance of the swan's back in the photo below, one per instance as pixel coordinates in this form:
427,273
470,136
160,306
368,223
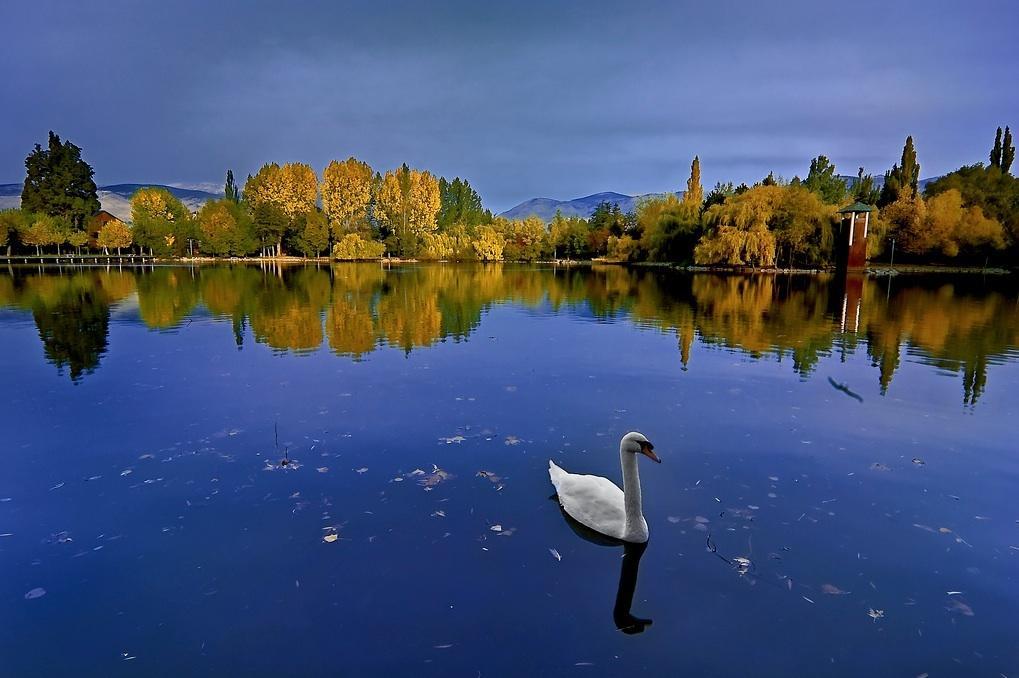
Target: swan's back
593,501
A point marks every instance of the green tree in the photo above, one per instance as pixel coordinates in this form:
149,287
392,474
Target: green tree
230,191
669,227
312,233
865,190
1007,152
996,150
219,231
77,239
460,204
902,180
59,183
269,224
161,221
13,223
823,181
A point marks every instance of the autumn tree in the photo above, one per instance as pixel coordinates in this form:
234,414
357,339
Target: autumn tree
292,188
354,247
41,231
525,240
669,227
161,221
694,190
568,236
59,183
220,230
737,230
346,196
77,239
407,205
114,234
489,244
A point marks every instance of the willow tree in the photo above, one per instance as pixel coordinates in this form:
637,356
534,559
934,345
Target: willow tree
407,205
346,195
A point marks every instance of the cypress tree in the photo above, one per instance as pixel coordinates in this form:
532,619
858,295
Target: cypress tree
1007,152
996,151
59,183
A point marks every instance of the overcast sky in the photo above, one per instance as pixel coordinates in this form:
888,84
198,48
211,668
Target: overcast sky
524,99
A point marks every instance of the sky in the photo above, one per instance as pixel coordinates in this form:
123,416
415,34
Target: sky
524,99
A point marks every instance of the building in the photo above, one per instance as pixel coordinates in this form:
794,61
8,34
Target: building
95,224
852,242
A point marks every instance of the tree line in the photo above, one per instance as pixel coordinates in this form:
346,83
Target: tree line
354,212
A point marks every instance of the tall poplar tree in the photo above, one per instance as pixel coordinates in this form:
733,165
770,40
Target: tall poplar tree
1007,152
996,150
694,190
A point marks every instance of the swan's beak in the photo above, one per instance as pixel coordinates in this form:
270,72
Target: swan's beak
648,450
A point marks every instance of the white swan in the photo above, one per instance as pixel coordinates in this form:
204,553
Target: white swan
598,503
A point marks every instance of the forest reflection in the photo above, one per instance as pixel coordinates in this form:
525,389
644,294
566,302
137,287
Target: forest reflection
963,324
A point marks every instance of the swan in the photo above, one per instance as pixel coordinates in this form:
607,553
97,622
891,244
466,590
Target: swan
598,503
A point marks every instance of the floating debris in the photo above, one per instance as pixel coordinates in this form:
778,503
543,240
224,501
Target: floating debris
918,461
555,554
432,479
876,614
496,528
322,469
878,466
833,590
511,440
454,439
37,592
363,469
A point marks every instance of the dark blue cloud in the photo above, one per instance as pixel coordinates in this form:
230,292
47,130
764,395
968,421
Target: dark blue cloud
523,98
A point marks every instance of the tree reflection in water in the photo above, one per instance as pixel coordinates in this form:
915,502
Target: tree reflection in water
962,324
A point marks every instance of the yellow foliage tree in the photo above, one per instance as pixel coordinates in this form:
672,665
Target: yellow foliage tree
346,193
355,247
293,188
489,244
407,204
694,195
738,229
114,233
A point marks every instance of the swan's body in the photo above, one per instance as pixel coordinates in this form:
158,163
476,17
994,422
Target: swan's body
598,503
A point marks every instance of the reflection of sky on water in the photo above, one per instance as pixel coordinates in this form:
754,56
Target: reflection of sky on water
197,560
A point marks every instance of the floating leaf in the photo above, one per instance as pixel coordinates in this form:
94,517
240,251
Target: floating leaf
876,614
878,466
330,538
496,528
833,590
37,592
555,554
322,469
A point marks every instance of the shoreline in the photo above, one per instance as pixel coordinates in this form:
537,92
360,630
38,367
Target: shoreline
92,261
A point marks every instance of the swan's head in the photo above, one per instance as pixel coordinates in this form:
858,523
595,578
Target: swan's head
636,443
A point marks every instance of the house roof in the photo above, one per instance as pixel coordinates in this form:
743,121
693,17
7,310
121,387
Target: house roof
856,207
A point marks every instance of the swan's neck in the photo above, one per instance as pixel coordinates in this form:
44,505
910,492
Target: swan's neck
631,490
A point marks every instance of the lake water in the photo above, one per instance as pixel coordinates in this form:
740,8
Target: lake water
854,441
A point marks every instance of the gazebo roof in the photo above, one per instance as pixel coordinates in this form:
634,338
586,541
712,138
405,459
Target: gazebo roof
856,207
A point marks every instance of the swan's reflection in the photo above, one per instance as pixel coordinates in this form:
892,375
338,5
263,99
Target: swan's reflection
632,553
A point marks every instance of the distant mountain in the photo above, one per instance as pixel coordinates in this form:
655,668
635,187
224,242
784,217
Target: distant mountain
545,208
879,181
116,198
